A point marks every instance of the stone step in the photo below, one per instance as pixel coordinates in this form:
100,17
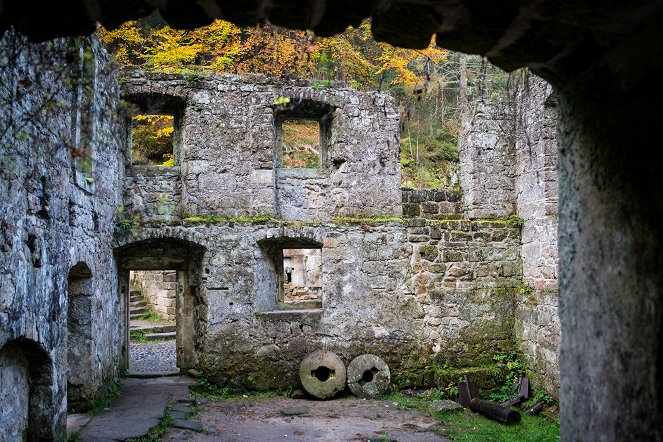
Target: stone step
137,310
135,293
157,336
152,327
140,303
133,316
135,298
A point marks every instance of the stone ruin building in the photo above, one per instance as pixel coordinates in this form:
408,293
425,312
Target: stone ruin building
604,61
265,263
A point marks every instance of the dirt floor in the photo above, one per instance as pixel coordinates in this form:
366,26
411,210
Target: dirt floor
345,419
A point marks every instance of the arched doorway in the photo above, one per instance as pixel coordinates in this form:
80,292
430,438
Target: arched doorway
183,260
79,337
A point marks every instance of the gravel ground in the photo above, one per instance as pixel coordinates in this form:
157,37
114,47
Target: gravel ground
157,357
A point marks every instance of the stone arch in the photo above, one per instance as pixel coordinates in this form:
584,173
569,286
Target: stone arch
80,291
167,249
27,409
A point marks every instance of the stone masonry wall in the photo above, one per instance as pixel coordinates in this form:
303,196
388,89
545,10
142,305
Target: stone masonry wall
159,290
537,320
227,160
415,292
487,161
433,204
59,181
508,166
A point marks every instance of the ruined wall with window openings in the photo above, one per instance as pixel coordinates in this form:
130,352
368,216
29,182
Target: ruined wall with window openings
421,277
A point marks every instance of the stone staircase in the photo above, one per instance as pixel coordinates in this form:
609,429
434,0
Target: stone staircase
152,330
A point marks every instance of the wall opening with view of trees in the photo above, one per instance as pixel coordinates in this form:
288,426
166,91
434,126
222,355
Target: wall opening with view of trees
432,86
300,143
152,140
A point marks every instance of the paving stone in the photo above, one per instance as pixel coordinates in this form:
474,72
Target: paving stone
295,411
186,424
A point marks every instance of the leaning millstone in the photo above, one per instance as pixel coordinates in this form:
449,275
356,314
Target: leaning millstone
322,374
444,405
368,376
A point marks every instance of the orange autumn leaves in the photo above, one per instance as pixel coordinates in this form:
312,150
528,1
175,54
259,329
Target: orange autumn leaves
353,57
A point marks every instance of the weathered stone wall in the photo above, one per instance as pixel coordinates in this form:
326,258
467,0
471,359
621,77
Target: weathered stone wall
159,290
433,204
227,161
488,161
14,387
59,177
509,167
454,281
537,320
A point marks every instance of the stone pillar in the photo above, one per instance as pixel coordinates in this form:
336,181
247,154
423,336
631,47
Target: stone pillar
611,256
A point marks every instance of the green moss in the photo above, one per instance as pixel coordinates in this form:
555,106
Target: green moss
428,252
219,219
374,219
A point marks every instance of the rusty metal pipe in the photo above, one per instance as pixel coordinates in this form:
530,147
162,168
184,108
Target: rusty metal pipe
495,411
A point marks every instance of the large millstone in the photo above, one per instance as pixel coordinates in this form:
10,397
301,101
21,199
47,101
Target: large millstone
322,374
368,376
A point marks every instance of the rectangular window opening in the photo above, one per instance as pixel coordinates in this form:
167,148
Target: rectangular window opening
300,143
152,140
301,284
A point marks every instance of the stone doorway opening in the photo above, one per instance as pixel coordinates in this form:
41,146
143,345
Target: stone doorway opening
79,336
153,322
161,306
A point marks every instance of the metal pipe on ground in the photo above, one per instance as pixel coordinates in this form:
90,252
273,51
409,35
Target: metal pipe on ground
494,411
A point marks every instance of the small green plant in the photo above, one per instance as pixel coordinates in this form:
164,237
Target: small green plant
211,390
104,402
192,78
137,336
157,432
515,220
124,224
511,366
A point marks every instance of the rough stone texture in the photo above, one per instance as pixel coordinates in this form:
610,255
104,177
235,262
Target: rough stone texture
433,204
368,376
14,383
322,374
508,153
52,218
603,60
611,238
227,143
488,161
537,320
159,290
454,281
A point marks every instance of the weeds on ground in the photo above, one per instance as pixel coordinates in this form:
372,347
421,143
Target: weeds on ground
156,433
470,427
104,402
215,392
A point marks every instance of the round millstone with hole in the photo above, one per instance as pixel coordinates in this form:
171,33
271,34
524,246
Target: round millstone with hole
322,374
368,376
